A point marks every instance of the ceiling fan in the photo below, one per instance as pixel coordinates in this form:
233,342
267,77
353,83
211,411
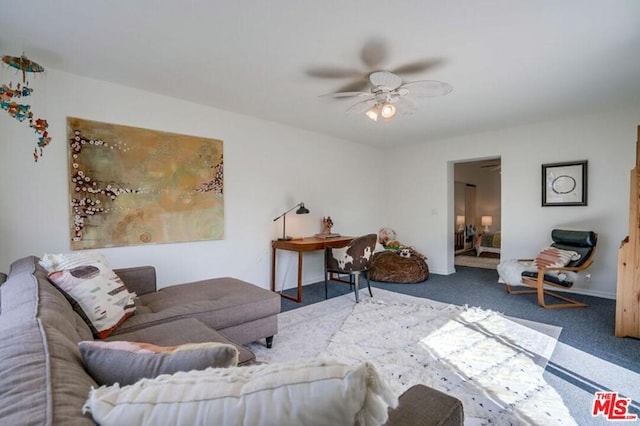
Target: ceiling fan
389,93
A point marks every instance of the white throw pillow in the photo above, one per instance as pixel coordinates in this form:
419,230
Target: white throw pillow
313,392
97,294
58,262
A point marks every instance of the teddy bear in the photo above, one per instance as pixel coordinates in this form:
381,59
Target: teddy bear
405,252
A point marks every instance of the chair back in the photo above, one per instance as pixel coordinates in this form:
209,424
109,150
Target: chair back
354,257
582,242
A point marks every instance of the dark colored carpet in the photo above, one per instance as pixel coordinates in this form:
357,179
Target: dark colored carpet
589,329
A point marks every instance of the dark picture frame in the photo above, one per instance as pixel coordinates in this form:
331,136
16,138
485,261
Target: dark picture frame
564,184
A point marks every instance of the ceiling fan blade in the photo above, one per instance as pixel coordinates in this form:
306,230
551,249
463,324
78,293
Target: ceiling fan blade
406,105
418,66
355,86
333,72
361,107
374,52
407,102
427,88
345,94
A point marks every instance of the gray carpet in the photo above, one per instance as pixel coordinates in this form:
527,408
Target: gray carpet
588,357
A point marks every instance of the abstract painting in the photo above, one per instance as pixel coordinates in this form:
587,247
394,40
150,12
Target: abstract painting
132,186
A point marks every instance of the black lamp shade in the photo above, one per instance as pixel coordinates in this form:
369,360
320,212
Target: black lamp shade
302,209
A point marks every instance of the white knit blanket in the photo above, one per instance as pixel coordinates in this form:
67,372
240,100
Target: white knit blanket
481,357
491,363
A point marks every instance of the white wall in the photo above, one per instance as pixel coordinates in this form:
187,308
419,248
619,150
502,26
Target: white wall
268,169
422,205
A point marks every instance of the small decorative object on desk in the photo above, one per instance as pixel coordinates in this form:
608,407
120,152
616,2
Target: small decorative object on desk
327,224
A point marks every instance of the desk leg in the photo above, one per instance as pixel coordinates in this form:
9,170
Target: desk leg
299,276
273,269
273,278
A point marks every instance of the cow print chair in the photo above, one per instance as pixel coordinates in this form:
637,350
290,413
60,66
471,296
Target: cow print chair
353,260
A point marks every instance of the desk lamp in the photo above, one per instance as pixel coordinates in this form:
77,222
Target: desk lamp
301,210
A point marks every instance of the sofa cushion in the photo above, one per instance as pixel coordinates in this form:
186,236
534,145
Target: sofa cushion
28,294
296,393
219,303
42,378
127,362
97,294
23,374
179,332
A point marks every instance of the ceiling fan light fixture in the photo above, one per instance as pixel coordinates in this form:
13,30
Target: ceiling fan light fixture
387,110
373,113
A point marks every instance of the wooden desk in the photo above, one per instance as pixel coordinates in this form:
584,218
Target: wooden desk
302,245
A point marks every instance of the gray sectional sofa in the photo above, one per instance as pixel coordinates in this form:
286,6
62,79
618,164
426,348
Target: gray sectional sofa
42,377
43,380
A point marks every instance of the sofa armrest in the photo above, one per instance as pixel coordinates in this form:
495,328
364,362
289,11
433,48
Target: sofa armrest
425,406
139,279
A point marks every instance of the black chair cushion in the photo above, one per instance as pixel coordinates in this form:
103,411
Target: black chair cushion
582,242
574,238
552,278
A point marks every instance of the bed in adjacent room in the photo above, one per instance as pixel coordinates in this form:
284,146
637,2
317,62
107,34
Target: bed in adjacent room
489,242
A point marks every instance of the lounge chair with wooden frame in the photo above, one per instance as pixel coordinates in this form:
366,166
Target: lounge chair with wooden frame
581,242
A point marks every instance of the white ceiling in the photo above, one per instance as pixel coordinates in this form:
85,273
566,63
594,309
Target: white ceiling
510,62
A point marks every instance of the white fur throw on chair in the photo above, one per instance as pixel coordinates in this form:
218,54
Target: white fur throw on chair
510,272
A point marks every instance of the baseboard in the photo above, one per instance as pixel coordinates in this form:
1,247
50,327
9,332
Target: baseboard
443,272
585,292
595,293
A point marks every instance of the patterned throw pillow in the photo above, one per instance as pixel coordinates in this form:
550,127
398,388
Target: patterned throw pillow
97,294
127,362
58,262
551,257
288,393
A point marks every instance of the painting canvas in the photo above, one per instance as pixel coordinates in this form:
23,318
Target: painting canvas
132,186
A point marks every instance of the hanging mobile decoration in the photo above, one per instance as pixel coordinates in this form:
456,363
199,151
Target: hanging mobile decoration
22,112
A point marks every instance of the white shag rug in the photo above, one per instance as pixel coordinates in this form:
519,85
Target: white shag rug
491,363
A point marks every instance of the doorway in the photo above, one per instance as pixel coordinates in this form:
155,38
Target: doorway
477,212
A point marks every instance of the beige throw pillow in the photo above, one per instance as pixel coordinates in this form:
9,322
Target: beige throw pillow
552,257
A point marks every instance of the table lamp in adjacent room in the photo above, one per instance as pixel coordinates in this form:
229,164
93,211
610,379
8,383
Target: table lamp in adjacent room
486,221
460,223
301,210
